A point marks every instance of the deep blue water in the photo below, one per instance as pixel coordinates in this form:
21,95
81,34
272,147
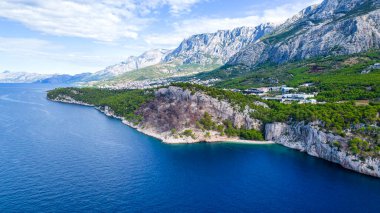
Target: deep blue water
58,157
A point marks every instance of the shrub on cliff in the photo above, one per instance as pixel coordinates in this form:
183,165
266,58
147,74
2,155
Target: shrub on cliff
206,122
188,133
358,146
251,134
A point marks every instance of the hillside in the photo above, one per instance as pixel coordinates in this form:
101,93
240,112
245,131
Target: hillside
335,78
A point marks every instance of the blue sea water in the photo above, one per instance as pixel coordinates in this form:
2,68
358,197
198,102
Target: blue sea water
58,157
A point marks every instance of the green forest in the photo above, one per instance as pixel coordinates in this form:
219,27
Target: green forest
123,102
335,78
335,117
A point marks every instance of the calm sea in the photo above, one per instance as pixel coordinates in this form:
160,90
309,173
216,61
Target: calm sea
58,157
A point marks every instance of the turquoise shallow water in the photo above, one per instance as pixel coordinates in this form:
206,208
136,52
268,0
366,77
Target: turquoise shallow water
58,157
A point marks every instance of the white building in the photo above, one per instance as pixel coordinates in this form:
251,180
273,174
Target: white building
307,84
300,98
286,89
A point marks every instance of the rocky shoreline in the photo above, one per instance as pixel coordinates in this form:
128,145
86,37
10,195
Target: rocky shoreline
165,138
315,142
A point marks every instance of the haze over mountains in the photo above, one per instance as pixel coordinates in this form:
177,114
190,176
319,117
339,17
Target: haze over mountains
335,27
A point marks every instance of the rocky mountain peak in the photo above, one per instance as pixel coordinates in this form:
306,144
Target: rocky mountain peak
334,27
148,58
216,47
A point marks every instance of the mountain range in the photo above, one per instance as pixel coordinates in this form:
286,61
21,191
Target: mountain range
334,27
198,53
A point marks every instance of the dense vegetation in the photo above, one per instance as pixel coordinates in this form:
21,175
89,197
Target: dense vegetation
363,148
339,115
336,78
227,128
124,103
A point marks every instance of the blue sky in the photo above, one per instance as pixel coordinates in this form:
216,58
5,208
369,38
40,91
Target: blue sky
75,36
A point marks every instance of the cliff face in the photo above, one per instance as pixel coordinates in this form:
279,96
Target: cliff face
307,138
175,108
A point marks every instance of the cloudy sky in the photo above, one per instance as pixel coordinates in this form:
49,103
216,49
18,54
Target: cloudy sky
74,36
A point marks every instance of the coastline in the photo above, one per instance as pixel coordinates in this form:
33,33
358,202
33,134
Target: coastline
165,138
314,147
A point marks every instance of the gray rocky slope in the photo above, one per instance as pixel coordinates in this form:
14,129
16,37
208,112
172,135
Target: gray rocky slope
217,47
335,27
175,108
315,142
146,59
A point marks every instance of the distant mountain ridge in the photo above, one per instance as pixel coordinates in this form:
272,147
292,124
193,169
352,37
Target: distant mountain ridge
198,53
335,27
20,77
219,46
26,77
148,58
64,78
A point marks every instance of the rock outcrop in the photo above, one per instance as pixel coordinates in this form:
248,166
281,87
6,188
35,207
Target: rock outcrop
308,138
175,108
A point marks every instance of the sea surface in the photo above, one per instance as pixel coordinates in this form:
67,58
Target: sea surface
57,157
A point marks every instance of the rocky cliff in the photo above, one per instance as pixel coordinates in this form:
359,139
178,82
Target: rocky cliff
173,115
308,138
176,109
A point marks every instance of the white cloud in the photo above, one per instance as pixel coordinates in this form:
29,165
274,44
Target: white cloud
27,52
176,6
111,20
103,20
26,46
279,14
186,28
